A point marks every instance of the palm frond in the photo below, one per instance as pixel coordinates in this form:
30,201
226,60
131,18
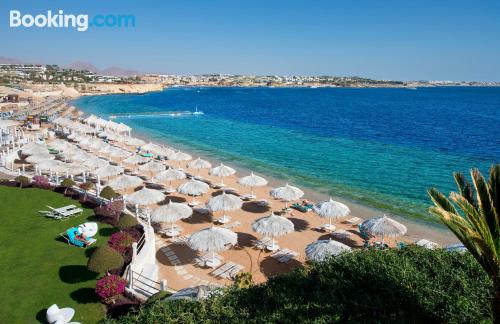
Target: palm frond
464,187
485,202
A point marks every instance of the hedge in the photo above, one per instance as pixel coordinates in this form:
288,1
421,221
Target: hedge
412,285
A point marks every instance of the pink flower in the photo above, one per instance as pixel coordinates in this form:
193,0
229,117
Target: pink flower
110,286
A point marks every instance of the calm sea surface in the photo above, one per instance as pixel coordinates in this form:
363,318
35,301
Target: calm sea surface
380,147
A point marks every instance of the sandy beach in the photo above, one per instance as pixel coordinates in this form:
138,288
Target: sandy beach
176,260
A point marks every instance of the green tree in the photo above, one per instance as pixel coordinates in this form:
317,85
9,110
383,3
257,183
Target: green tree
86,186
66,184
472,215
108,193
22,181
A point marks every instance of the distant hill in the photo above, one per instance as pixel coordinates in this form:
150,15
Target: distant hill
112,71
9,60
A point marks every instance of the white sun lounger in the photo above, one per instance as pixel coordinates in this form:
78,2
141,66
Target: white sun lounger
262,243
354,221
284,255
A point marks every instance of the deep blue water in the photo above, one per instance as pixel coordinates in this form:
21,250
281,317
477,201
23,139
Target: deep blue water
380,147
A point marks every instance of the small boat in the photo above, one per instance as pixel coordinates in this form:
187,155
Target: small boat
196,112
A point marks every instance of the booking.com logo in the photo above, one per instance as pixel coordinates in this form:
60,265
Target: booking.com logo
80,22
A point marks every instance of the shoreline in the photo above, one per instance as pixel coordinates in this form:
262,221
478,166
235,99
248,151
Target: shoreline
416,229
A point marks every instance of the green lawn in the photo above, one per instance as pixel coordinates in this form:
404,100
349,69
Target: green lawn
37,270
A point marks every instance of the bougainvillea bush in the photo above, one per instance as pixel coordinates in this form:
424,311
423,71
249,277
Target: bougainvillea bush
41,182
109,287
121,242
110,213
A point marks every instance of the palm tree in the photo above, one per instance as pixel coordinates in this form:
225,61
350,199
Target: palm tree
476,221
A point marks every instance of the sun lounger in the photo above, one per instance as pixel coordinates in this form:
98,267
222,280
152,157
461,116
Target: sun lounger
354,221
262,243
180,239
202,260
71,241
262,203
302,208
284,255
232,225
427,244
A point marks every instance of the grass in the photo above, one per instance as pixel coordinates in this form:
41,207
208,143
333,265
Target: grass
37,269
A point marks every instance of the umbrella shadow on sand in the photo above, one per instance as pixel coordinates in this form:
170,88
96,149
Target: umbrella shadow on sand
174,199
245,239
271,267
346,240
300,225
253,207
183,253
198,218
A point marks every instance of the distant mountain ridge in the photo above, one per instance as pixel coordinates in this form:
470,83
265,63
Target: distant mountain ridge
81,65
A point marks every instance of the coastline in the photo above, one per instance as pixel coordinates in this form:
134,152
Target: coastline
416,229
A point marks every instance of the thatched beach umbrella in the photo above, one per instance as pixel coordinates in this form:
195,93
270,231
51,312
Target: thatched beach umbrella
136,159
199,164
94,163
170,175
108,171
212,240
146,196
125,181
193,188
134,141
222,171
37,158
322,249
224,202
383,226
252,181
34,148
287,193
152,167
332,210
273,226
171,213
180,156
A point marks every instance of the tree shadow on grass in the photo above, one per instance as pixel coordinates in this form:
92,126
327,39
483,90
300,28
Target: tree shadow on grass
75,274
84,296
89,251
108,231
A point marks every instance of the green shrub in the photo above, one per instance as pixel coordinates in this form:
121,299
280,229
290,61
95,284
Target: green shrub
108,193
412,285
243,280
68,182
105,259
22,181
126,220
161,295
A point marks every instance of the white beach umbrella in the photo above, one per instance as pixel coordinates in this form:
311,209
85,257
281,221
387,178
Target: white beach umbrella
212,240
37,158
49,164
125,181
170,175
322,249
199,164
273,226
287,193
193,188
122,128
252,181
119,153
224,202
150,147
34,148
331,209
94,163
152,167
146,196
180,156
134,141
108,171
222,171
171,213
383,226
82,156
136,159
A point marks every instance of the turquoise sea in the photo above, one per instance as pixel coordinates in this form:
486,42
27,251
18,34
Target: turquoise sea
380,147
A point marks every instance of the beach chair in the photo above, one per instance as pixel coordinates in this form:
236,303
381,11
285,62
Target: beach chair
354,221
302,208
180,239
427,244
89,229
59,315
